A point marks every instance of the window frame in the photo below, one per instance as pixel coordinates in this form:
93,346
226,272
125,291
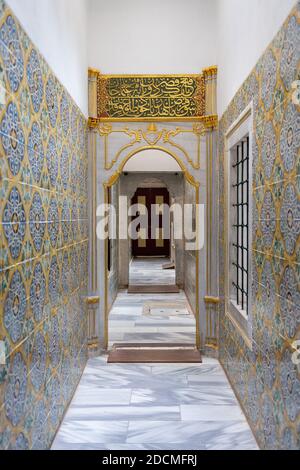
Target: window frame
240,129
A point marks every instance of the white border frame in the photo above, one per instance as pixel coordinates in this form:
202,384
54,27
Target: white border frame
242,127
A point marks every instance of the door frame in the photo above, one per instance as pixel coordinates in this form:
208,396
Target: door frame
167,246
113,180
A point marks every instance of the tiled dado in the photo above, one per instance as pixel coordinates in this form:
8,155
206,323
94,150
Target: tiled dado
267,389
265,379
43,242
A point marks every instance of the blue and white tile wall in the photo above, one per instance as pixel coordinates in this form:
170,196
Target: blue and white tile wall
43,242
265,378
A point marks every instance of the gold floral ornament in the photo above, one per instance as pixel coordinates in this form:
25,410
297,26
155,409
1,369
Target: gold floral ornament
102,96
152,136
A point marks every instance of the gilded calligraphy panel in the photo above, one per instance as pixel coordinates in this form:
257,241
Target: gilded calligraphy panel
144,97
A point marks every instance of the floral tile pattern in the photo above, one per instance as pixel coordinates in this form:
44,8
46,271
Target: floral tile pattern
265,378
43,319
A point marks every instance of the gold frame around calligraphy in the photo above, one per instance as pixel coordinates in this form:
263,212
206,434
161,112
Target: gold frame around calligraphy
150,97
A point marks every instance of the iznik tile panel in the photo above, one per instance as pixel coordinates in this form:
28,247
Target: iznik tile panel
265,378
43,242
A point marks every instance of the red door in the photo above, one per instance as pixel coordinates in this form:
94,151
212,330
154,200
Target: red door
145,245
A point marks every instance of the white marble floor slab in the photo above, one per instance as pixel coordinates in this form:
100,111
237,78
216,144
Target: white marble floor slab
128,322
131,412
89,431
131,407
150,271
221,395
203,433
153,406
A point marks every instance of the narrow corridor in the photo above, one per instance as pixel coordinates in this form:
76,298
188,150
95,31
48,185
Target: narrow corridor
144,407
159,407
116,170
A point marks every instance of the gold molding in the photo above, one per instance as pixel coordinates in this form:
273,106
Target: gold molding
210,71
141,75
210,121
93,300
92,90
93,123
92,345
152,119
210,79
93,72
212,300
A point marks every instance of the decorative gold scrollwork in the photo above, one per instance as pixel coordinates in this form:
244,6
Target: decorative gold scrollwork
105,131
198,130
152,137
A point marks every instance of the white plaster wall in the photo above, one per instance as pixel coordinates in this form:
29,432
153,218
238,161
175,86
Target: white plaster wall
245,29
152,160
59,29
161,36
157,36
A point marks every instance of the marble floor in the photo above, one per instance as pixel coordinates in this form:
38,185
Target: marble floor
153,407
159,407
143,318
149,271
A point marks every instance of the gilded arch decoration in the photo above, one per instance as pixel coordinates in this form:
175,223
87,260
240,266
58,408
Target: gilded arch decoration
190,139
189,177
177,139
111,182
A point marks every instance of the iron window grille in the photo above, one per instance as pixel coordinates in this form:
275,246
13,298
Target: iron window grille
240,208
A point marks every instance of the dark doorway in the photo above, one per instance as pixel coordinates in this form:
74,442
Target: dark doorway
145,245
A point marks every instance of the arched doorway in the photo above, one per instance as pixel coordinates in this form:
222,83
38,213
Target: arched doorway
191,140
139,164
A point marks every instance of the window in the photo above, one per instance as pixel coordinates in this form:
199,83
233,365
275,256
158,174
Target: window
240,226
238,164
